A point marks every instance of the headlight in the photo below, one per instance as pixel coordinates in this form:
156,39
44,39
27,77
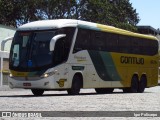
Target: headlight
10,75
45,75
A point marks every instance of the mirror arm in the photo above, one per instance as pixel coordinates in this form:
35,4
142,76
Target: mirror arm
54,40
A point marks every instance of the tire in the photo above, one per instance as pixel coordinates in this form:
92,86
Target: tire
104,90
76,85
142,84
126,90
134,86
37,92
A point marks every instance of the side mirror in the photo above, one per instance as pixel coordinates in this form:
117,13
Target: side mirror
54,39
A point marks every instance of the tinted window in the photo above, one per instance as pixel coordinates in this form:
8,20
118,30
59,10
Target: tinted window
63,45
110,42
68,41
83,41
124,43
98,41
143,46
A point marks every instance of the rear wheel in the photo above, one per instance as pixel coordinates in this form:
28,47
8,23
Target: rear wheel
104,90
76,85
134,85
126,90
37,92
142,84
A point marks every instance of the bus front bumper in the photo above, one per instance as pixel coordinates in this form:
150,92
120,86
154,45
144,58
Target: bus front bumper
44,83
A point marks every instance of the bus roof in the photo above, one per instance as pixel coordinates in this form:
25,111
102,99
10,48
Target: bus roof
60,23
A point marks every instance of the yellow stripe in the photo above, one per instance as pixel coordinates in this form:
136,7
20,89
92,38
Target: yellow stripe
19,74
111,29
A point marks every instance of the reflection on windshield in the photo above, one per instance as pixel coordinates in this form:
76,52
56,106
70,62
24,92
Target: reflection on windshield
15,57
20,43
41,55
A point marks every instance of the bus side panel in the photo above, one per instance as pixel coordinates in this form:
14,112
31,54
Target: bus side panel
80,62
129,64
104,69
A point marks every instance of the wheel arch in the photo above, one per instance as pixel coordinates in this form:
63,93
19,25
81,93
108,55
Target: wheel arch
144,75
80,75
137,75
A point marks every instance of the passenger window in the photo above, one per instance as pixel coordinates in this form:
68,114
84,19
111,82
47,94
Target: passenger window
135,46
124,44
112,42
98,41
83,40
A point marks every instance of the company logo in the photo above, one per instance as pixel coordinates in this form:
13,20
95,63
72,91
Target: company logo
80,58
131,60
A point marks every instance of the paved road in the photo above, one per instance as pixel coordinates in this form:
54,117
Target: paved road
88,100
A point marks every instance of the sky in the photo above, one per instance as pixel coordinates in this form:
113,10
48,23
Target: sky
149,12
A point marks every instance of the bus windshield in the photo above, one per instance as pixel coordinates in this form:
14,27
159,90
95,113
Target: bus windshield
30,50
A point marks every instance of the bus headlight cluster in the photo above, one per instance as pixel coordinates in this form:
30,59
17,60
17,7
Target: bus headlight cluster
45,75
10,75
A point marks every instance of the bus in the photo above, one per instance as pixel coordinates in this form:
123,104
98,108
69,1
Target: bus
67,54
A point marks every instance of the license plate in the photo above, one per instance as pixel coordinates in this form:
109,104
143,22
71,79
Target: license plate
27,84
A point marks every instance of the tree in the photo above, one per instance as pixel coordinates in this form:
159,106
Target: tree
8,12
119,14
18,12
127,17
53,9
28,11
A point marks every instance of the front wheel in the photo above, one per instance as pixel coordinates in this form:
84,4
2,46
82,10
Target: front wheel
37,92
76,85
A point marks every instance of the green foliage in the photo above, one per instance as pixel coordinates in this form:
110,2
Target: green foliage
7,12
119,14
53,9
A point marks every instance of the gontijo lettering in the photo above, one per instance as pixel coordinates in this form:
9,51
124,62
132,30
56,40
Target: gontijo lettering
131,60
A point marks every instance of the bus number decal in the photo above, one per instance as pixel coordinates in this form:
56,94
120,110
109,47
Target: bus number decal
77,67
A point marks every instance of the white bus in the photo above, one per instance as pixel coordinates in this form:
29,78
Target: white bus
69,55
